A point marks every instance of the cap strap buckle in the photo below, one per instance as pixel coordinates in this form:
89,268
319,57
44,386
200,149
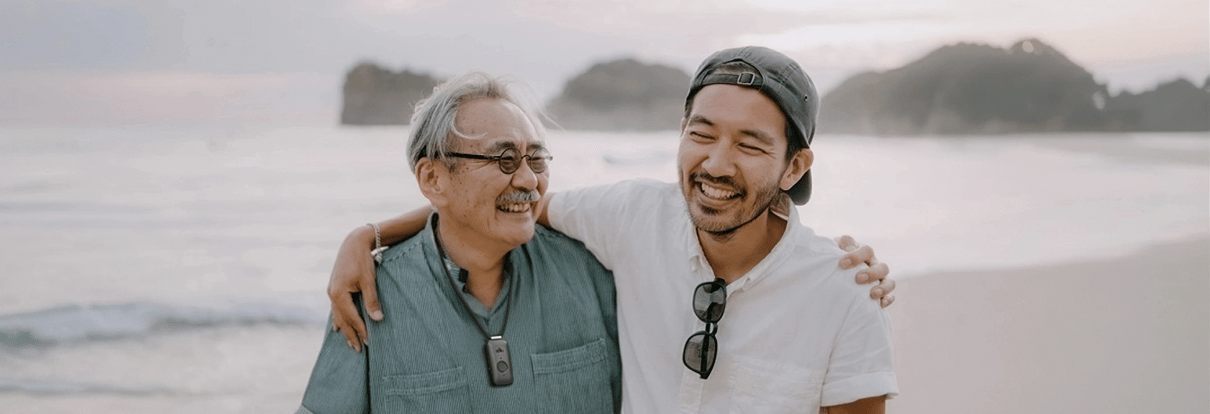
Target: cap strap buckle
746,78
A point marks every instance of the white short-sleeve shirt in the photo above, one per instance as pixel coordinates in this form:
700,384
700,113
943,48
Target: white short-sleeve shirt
798,333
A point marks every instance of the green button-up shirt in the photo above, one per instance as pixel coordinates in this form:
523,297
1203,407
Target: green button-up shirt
427,355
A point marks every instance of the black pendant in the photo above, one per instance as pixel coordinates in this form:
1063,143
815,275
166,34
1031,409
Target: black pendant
499,365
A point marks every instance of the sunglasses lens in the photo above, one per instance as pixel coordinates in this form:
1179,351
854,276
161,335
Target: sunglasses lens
699,353
709,301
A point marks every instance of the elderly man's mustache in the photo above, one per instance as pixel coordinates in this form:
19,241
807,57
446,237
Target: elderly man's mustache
519,197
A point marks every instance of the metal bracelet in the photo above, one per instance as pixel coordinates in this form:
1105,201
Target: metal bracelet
378,248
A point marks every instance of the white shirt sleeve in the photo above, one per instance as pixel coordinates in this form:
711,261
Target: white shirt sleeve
602,217
860,366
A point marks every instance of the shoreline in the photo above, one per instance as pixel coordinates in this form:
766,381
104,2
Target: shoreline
1126,334
1123,335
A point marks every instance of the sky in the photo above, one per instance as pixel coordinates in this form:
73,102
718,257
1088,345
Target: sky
171,62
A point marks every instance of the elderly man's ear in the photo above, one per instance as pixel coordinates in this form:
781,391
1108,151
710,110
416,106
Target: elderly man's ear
433,179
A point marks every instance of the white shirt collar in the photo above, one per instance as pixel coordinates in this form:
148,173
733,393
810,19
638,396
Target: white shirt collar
781,251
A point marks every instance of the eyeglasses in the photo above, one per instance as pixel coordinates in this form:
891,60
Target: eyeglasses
510,159
709,302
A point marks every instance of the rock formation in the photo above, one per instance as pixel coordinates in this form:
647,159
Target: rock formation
377,96
1029,87
622,95
1178,105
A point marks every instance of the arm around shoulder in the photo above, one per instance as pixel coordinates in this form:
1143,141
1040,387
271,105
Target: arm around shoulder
872,405
353,272
543,216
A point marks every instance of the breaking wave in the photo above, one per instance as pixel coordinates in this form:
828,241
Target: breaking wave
86,322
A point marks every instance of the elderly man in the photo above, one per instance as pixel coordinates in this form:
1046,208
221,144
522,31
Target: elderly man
486,312
726,303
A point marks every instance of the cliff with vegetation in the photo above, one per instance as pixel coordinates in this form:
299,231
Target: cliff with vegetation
1030,87
622,95
377,96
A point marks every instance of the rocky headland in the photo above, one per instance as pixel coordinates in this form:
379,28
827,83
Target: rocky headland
622,95
980,89
377,96
963,88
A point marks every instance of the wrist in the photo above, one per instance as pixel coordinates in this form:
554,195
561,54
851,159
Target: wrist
361,237
378,247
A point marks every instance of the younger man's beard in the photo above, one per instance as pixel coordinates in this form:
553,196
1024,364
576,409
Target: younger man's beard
764,197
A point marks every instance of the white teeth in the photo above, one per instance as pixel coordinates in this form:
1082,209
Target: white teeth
716,193
515,208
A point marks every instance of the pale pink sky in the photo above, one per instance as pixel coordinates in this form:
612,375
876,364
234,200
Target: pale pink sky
84,62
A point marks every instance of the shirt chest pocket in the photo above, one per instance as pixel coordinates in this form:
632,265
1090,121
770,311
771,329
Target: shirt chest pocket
576,380
771,387
443,391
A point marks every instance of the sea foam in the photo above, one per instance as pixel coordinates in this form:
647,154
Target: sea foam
90,322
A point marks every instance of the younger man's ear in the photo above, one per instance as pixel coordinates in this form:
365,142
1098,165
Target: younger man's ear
799,165
431,177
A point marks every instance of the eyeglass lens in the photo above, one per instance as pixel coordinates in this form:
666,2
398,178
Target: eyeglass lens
510,160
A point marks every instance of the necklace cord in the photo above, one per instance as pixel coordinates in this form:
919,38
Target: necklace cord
508,307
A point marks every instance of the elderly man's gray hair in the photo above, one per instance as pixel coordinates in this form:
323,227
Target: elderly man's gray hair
433,123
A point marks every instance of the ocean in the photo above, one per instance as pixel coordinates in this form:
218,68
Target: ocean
182,270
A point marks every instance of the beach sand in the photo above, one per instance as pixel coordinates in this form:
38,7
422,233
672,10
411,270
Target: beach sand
1123,335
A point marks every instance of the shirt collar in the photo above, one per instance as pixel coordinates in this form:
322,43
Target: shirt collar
460,275
781,251
697,259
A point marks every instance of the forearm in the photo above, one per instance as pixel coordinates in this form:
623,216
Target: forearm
395,229
543,218
353,272
872,405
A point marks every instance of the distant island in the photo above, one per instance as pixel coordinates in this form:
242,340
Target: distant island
377,96
979,89
622,95
963,88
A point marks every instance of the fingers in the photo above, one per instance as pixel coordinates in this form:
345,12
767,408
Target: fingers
882,289
346,325
369,293
361,336
846,243
882,292
863,254
875,272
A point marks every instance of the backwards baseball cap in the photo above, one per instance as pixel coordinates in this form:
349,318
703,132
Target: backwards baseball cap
781,79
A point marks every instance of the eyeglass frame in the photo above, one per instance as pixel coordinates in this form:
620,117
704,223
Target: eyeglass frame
708,334
498,159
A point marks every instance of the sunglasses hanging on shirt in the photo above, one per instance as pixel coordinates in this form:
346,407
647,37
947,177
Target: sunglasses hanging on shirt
709,302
